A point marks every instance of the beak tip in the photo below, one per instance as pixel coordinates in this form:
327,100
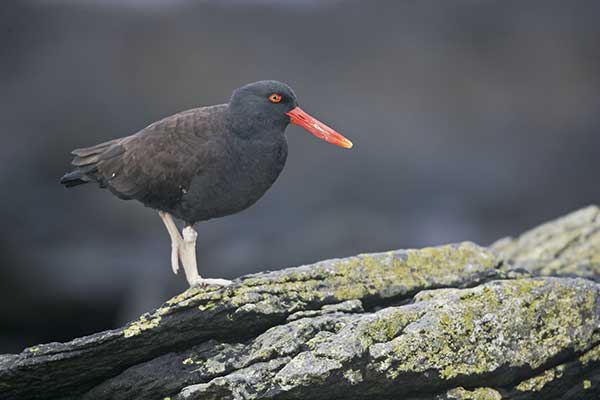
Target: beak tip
317,128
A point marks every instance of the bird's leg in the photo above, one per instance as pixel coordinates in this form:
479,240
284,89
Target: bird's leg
188,259
176,240
187,254
184,249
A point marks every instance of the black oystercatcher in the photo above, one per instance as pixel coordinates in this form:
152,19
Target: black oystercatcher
202,163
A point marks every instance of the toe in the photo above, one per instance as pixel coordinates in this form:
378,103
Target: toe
219,282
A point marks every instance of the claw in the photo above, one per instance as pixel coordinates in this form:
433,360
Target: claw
207,282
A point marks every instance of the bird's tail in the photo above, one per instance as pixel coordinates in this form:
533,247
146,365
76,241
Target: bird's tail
74,178
86,162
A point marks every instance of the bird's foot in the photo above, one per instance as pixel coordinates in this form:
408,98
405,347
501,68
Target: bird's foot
203,282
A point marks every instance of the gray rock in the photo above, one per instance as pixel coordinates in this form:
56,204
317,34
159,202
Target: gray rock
520,320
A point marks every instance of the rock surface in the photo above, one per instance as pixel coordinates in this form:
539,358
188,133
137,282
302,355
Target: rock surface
519,320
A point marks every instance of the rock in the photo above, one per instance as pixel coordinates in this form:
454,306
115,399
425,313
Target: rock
517,321
565,247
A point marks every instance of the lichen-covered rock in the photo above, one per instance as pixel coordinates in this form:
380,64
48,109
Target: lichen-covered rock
496,332
567,246
476,394
450,322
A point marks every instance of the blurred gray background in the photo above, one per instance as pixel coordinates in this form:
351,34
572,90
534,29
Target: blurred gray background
471,120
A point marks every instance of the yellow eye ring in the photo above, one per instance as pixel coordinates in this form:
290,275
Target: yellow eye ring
275,98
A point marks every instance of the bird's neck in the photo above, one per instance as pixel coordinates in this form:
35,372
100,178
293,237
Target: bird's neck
247,125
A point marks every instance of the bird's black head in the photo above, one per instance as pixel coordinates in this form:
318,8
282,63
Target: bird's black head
263,104
267,107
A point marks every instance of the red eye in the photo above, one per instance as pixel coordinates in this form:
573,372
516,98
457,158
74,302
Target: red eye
275,98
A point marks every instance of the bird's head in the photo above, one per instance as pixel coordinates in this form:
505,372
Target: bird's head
266,104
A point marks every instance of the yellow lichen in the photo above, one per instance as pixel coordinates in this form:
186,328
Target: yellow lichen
587,384
538,382
192,293
191,361
144,323
370,274
383,274
569,245
353,376
461,393
590,356
543,313
385,328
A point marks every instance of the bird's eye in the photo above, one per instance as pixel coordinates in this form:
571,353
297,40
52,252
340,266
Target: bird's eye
275,98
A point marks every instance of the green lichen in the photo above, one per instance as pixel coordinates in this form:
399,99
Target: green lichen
475,331
590,356
476,394
316,340
587,384
567,246
207,306
353,376
538,382
212,366
306,369
144,323
388,323
187,295
385,329
149,321
389,274
384,274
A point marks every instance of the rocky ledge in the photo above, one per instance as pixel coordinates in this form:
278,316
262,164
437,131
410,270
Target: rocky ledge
517,320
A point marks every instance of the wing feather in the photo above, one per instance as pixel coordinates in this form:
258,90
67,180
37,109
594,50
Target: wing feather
157,164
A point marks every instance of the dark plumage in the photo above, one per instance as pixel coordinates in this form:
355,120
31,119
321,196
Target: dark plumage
202,163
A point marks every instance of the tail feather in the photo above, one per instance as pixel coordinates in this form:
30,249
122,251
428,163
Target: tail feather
87,160
98,148
74,178
101,153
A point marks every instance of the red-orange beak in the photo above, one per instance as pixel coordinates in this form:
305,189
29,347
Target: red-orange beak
317,128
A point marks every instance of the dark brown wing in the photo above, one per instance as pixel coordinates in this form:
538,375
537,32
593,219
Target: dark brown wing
157,164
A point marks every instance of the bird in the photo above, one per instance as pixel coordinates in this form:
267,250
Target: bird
202,163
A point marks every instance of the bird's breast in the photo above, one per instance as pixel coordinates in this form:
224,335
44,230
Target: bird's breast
237,179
